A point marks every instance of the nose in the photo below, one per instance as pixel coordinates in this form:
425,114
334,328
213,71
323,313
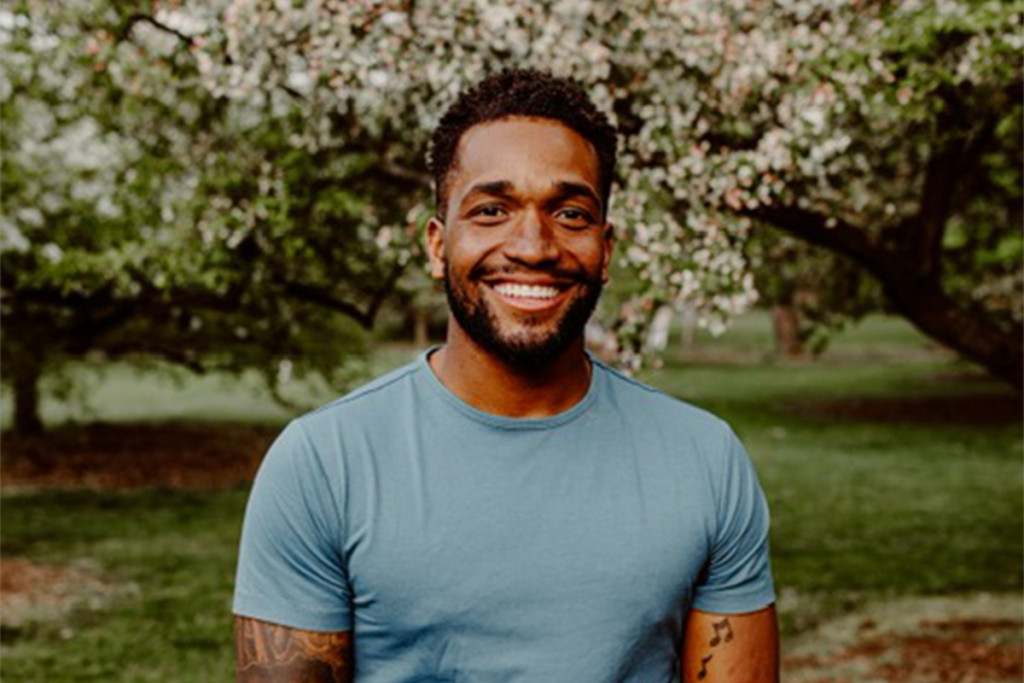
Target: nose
532,241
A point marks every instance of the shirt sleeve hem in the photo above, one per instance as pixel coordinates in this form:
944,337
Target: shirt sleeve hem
743,604
307,620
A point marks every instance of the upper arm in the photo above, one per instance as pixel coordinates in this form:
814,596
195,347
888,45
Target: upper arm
268,652
731,648
291,566
737,575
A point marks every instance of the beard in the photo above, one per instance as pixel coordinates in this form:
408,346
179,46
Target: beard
539,340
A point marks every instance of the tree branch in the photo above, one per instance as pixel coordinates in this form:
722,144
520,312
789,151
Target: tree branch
177,356
139,18
966,329
949,173
385,290
831,233
316,295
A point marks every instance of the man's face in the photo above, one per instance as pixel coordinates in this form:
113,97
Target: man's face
524,248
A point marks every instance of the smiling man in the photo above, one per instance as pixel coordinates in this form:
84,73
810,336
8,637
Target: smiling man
507,508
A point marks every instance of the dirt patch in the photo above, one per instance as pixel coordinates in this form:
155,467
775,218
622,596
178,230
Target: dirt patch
947,651
981,410
903,643
132,456
36,592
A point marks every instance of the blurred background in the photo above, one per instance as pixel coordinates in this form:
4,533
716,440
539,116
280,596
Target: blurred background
212,216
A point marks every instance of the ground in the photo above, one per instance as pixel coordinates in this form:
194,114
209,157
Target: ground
971,639
136,455
918,640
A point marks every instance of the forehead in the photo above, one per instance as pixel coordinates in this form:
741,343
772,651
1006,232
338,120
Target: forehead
523,151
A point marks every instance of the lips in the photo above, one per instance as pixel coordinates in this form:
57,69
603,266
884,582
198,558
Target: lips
518,290
534,297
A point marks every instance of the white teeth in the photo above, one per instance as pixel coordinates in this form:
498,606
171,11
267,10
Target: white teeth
526,291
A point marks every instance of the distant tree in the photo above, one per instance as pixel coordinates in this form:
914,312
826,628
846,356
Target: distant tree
146,217
810,291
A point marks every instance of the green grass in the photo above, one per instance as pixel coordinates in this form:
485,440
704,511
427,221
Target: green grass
862,509
873,336
175,551
866,509
127,393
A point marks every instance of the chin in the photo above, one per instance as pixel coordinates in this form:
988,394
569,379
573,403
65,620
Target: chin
526,343
527,354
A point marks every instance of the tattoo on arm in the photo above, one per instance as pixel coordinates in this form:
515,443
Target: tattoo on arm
270,652
703,673
722,632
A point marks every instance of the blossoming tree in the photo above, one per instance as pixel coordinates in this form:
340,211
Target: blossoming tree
886,133
146,218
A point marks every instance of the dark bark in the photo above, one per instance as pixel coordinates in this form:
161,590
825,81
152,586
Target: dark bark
786,324
420,328
26,398
966,330
917,296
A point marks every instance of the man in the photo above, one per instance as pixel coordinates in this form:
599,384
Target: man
507,508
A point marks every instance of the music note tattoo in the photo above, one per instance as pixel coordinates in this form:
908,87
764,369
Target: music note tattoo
703,673
720,626
722,632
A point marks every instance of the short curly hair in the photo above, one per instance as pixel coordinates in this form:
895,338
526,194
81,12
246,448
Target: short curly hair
521,92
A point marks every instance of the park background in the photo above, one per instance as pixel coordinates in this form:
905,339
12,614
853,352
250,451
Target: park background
212,221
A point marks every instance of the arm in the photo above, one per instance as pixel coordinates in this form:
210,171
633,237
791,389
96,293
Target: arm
731,648
270,653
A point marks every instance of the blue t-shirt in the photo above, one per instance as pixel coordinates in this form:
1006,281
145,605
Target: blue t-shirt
463,546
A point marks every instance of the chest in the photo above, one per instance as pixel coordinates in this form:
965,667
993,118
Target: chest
531,537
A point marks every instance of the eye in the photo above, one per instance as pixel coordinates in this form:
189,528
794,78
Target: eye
489,214
574,218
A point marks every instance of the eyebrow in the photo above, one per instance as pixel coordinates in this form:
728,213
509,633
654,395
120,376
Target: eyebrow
567,190
564,190
498,188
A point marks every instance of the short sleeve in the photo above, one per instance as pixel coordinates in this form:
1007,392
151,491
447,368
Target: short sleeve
737,577
290,565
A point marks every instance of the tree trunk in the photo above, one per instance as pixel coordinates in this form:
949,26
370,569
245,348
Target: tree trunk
420,330
26,399
916,294
786,324
965,330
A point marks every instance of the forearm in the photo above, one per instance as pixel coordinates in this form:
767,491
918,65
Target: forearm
270,653
736,648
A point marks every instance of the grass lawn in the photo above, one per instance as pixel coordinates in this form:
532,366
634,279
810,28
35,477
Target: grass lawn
168,556
892,470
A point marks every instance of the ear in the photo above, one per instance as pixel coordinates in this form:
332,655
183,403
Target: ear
609,247
435,247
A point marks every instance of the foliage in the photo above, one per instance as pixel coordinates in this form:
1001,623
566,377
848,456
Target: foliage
885,132
825,290
145,215
201,180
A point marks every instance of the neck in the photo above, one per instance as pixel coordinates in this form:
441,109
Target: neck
494,386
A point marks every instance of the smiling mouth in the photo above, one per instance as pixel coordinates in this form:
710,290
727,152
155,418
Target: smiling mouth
517,290
530,297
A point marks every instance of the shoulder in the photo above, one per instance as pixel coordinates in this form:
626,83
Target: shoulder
380,396
651,404
312,448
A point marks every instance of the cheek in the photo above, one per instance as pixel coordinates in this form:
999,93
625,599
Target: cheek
470,247
591,253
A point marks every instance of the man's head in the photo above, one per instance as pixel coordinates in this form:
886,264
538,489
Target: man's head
521,93
523,163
